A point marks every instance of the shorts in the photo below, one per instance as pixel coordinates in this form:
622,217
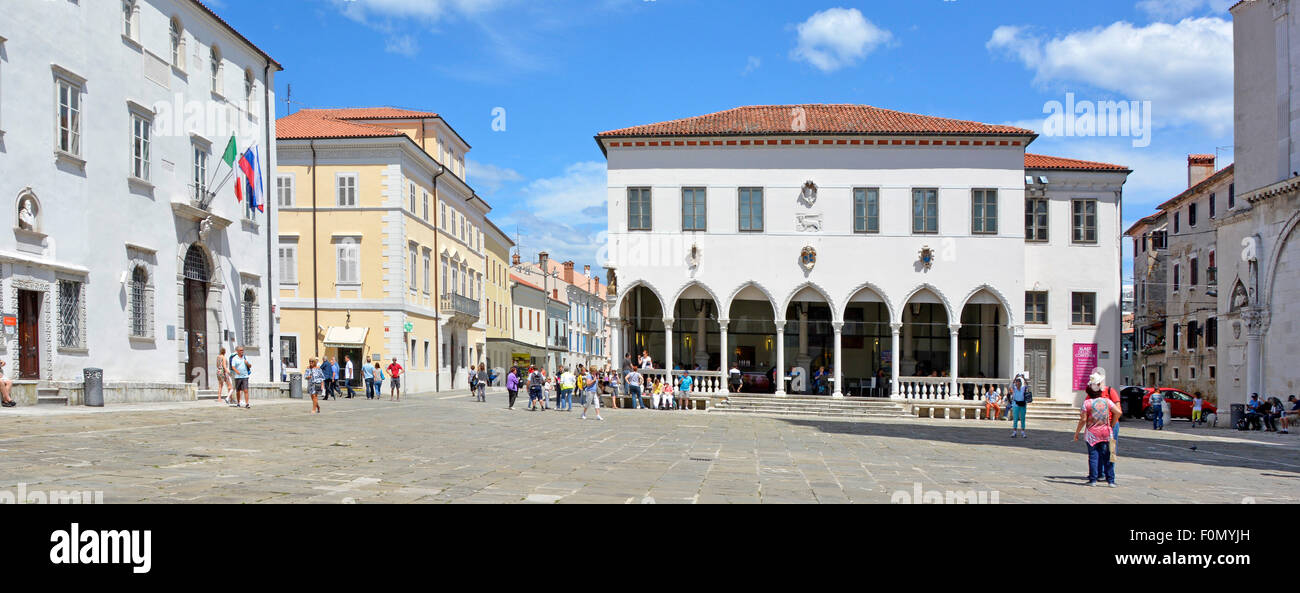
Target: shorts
1294,417
397,383
241,383
314,389
591,399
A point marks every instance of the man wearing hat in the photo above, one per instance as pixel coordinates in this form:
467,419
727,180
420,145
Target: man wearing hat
1097,388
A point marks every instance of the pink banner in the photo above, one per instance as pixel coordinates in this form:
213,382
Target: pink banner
1085,360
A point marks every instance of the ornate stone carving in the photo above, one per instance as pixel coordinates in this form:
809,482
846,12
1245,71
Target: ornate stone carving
808,195
808,258
927,257
808,223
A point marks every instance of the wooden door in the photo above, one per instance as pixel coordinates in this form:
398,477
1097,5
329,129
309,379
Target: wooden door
29,335
1038,362
196,330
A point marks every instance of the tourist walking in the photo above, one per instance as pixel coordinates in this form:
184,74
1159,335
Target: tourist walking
315,381
1099,416
242,370
535,381
734,378
590,397
567,383
634,381
379,381
368,375
684,390
348,376
395,379
512,386
1020,398
6,385
1197,409
1157,410
481,383
548,387
327,371
223,376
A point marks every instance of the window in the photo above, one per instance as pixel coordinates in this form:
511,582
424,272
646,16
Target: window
1191,214
925,211
177,44
1191,334
141,129
1195,273
751,209
442,223
250,85
1213,373
984,212
1083,307
348,262
444,276
129,20
1036,219
694,217
1085,221
69,314
425,267
1177,223
1036,308
1232,195
201,172
411,266
215,69
866,210
638,209
1173,344
69,122
412,192
346,189
1175,278
284,191
425,196
426,354
1212,209
289,351
1175,373
249,312
288,256
1191,373
1212,271
455,278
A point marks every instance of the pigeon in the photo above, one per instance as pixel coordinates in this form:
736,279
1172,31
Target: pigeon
1193,447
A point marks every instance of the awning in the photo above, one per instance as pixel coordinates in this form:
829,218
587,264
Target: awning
346,337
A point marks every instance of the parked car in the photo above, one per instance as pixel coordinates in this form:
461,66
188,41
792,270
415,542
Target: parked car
1180,403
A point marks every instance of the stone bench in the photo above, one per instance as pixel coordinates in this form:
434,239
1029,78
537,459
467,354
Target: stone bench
965,409
24,392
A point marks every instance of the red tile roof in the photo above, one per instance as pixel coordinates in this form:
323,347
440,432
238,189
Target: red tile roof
519,280
818,119
377,113
327,123
1201,159
1038,161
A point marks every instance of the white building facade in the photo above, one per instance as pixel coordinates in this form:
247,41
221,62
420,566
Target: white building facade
893,250
126,252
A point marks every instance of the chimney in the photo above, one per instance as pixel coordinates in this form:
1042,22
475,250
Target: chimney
1199,168
514,259
541,260
567,275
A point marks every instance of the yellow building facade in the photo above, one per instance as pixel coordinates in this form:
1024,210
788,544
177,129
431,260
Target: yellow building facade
376,244
497,302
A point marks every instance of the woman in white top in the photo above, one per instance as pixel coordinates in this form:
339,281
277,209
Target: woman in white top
6,384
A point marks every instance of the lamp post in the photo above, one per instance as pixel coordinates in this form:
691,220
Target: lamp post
542,258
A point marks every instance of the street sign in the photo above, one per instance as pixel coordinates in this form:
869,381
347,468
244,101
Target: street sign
408,327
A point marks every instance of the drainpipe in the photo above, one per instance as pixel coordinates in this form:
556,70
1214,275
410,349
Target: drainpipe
315,293
437,296
270,218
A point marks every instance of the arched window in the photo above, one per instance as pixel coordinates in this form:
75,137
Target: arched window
248,87
178,43
215,69
250,318
129,20
139,301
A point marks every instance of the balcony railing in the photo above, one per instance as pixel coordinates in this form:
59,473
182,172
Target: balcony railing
454,303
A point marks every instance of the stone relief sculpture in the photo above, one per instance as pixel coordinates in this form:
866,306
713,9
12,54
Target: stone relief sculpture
808,223
27,214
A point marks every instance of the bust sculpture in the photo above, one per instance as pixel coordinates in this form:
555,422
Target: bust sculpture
27,216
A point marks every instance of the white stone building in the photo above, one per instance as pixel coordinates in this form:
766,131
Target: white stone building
891,248
113,120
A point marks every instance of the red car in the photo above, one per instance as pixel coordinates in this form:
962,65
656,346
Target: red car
1180,404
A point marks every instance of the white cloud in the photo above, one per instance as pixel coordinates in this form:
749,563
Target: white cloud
564,215
490,178
404,45
430,10
751,65
1184,69
837,37
1176,9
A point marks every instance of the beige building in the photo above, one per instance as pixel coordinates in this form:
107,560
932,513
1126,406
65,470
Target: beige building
497,301
381,254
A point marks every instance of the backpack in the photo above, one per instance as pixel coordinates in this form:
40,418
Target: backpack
473,379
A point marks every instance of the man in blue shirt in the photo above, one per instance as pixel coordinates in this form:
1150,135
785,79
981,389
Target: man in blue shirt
240,369
368,373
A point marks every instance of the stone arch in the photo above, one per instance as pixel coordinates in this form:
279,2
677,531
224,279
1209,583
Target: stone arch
629,288
1275,257
997,294
731,298
209,258
713,295
947,305
889,307
830,302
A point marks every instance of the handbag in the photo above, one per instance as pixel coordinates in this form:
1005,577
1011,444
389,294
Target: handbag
1029,397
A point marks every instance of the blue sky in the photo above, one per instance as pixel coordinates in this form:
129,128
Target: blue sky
566,70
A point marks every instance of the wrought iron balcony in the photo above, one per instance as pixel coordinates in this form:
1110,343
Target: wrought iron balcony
459,305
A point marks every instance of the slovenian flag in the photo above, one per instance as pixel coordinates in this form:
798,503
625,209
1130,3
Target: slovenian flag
251,166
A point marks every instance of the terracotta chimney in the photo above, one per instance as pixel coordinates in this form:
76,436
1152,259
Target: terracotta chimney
1199,168
567,275
514,259
541,260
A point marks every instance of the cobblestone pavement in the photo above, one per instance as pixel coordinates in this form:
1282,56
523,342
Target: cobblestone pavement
448,448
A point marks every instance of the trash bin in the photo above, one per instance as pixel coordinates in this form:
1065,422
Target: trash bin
93,389
1238,414
295,385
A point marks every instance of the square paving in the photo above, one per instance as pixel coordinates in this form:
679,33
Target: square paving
448,448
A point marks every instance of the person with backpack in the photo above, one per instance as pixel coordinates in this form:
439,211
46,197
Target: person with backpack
1099,415
567,383
242,369
535,381
1021,396
590,397
473,382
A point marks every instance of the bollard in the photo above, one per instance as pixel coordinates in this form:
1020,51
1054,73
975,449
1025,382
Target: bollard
93,390
295,386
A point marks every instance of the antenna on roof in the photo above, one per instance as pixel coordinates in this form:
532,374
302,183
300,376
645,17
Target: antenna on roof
288,93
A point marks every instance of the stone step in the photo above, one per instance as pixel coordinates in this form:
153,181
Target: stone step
58,400
802,414
775,404
207,394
